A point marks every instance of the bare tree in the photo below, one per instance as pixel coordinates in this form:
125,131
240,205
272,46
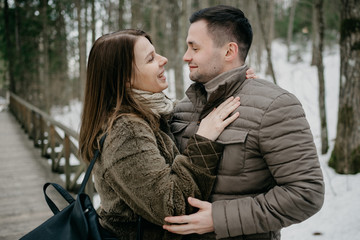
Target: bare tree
315,36
153,20
82,48
267,41
176,49
121,21
291,27
44,59
20,84
9,55
345,157
112,21
93,21
59,72
159,28
257,46
136,14
320,69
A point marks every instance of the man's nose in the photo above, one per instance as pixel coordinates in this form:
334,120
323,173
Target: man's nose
187,57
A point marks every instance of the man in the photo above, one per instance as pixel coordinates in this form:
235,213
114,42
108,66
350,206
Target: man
269,176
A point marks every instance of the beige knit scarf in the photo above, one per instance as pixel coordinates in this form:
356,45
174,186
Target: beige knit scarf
159,103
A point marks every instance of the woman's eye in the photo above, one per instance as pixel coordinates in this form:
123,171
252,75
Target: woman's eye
151,59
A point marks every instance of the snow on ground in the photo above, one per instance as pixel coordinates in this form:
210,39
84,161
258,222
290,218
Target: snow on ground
339,218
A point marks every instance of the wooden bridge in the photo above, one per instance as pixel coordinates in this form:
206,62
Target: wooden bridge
34,149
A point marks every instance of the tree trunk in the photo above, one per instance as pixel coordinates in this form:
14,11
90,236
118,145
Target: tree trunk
161,28
269,26
93,22
315,36
110,18
204,4
9,47
44,60
153,20
121,22
290,28
59,61
320,68
266,40
345,157
254,58
136,21
82,49
20,84
178,50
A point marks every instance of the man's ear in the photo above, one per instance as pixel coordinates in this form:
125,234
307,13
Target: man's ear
232,51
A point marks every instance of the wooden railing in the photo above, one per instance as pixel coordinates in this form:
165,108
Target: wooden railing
56,141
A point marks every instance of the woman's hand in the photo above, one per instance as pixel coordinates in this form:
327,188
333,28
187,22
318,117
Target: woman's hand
250,74
216,121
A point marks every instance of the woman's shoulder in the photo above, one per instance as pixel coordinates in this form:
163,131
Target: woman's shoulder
130,123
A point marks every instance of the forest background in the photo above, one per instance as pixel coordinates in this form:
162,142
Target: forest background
45,43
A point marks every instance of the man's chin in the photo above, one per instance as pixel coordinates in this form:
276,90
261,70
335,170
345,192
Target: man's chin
194,78
197,80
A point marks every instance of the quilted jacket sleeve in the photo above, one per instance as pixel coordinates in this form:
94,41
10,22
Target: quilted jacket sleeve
287,146
150,186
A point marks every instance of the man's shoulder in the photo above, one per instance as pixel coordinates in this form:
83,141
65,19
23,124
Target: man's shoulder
264,95
262,87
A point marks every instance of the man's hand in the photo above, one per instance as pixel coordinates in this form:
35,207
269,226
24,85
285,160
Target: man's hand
200,222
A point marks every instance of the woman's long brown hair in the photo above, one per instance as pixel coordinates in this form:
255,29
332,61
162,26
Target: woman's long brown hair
107,93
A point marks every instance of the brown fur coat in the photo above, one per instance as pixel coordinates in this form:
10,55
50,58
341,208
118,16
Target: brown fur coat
140,172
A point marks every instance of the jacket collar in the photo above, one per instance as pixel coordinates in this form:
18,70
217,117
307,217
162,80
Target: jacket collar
214,92
223,79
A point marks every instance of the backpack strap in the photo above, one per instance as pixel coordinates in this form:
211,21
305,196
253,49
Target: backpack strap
65,194
91,165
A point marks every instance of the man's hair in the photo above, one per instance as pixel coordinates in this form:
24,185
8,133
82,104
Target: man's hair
226,24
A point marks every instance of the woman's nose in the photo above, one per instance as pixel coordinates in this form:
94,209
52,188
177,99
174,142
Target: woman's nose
163,60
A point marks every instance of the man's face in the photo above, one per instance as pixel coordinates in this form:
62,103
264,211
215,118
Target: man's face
205,60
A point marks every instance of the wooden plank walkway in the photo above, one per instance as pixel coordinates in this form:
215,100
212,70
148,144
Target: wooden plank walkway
23,173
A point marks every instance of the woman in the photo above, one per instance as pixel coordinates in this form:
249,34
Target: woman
140,171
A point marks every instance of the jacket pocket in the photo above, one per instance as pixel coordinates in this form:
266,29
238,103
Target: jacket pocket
233,159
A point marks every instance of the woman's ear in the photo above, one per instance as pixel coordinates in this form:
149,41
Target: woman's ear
132,79
130,83
232,51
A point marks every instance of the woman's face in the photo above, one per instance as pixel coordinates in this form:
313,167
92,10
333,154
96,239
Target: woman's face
149,68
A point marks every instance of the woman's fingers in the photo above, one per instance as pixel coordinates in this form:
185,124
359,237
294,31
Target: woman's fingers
250,74
228,102
216,121
227,108
230,119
